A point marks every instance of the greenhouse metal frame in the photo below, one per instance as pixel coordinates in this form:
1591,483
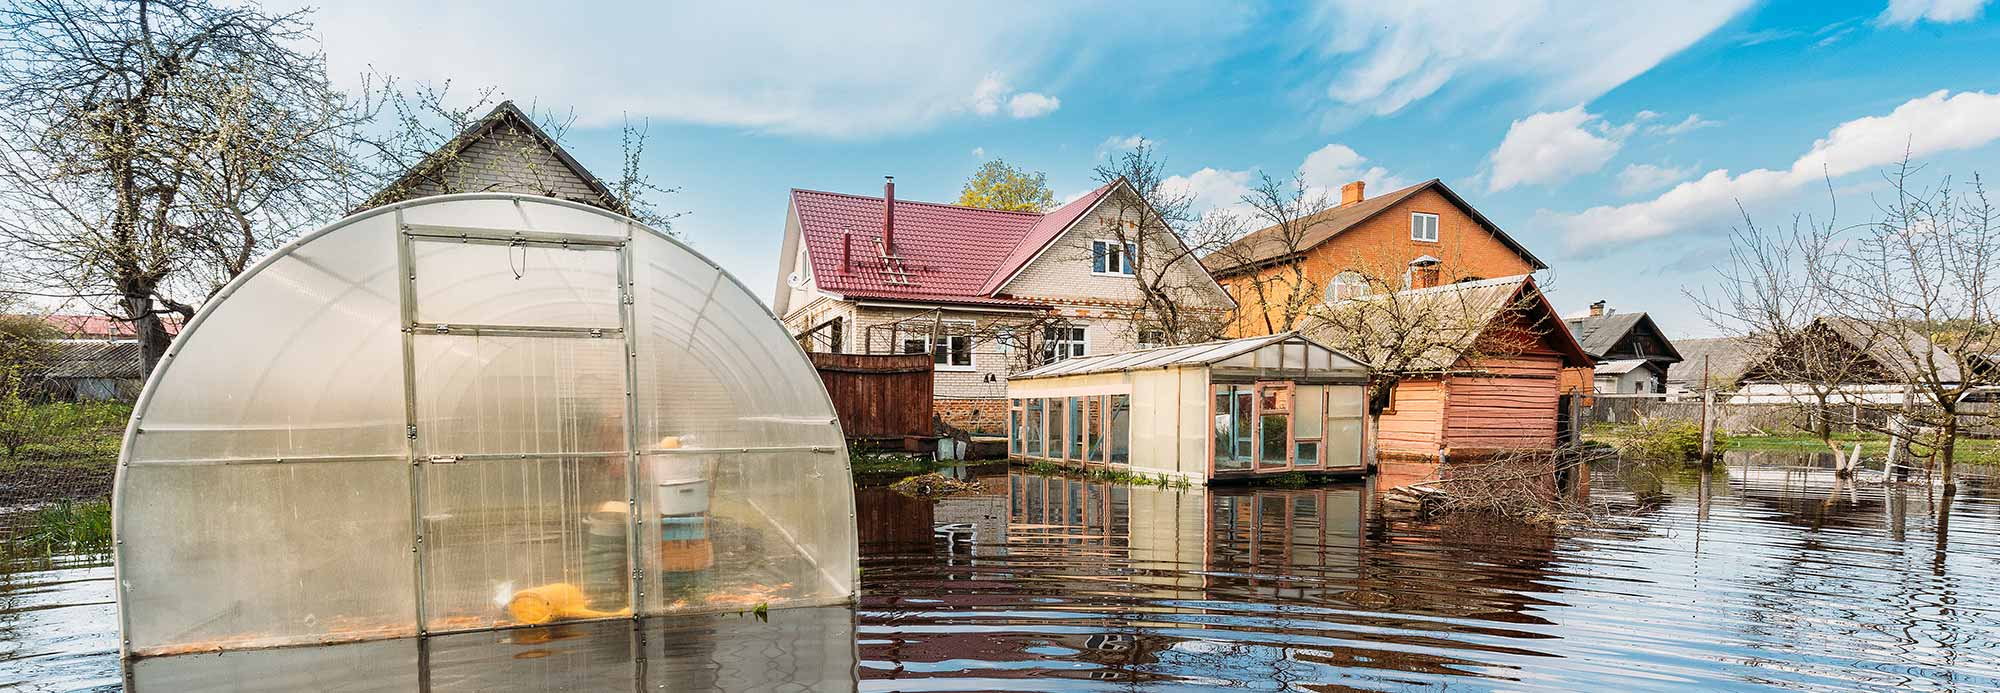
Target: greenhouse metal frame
572,408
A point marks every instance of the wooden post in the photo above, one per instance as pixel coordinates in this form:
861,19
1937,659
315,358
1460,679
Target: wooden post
1707,417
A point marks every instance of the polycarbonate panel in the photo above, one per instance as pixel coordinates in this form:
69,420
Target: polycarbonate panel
519,395
304,362
520,442
1308,407
232,556
497,530
540,285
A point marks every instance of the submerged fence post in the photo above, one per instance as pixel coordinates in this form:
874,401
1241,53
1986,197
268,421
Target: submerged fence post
1707,417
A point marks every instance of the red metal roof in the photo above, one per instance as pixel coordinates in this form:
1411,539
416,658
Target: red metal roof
943,254
98,326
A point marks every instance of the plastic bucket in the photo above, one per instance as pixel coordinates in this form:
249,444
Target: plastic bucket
682,497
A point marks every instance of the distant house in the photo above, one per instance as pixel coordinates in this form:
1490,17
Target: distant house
986,292
1421,235
89,370
504,151
1471,401
1875,364
83,326
1632,354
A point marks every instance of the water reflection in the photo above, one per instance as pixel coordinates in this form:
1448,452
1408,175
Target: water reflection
1753,574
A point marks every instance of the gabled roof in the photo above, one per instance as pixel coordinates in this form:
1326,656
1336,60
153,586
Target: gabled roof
1600,334
1726,359
946,251
1266,245
1042,234
504,114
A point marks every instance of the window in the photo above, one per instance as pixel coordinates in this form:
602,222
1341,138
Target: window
1112,257
1152,338
1060,343
1119,425
1424,227
950,352
1346,285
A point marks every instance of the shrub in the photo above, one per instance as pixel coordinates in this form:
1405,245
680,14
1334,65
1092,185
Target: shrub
1665,439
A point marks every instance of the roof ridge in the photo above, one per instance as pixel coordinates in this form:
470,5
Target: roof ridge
900,200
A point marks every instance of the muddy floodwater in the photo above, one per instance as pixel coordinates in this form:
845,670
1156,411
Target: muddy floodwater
1766,573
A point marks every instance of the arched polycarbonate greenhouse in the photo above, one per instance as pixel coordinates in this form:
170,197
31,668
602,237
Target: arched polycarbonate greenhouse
471,412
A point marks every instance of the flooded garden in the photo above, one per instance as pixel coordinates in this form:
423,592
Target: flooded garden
1766,572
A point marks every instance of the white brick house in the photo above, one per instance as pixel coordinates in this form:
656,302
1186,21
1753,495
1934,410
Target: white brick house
859,276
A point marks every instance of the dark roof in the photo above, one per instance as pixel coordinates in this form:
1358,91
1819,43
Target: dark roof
94,358
1265,245
1600,334
505,113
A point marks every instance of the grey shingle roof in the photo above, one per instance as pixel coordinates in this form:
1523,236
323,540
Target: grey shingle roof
1728,357
95,358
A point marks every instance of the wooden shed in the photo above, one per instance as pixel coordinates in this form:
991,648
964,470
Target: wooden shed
1219,410
1496,391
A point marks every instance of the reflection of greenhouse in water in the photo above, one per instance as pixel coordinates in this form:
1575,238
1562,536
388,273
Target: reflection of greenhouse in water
473,412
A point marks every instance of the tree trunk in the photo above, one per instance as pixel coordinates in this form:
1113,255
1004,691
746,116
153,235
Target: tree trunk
1948,440
152,332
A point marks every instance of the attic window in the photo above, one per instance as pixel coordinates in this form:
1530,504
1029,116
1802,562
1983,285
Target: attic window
1423,227
1112,257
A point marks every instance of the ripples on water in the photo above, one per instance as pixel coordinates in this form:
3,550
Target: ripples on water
1756,576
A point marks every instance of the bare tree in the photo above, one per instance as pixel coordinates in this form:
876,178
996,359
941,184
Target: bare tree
150,150
1178,301
1275,290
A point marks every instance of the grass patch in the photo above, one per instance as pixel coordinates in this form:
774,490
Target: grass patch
59,451
1965,451
64,528
1107,474
885,463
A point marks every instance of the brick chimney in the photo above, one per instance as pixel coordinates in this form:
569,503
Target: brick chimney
889,214
1352,193
847,251
1597,309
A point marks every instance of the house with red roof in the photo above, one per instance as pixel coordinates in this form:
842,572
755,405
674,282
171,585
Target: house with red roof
986,292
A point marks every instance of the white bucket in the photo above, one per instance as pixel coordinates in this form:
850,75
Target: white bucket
683,497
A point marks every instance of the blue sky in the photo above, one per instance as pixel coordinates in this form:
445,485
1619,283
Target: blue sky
1614,141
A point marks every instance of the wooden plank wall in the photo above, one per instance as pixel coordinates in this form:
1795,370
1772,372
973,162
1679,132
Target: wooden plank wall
1413,428
1513,408
878,395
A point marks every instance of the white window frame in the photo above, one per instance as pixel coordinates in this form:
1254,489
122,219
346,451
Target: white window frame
1098,247
1143,344
1334,285
971,354
1049,350
1415,236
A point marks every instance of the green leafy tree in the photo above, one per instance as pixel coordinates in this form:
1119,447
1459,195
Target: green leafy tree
997,185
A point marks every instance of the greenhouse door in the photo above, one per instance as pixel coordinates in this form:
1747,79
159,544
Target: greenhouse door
517,373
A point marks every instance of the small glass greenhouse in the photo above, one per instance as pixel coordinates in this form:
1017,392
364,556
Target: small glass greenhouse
1238,408
471,412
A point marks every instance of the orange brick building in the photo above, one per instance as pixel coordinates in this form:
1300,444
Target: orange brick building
1419,236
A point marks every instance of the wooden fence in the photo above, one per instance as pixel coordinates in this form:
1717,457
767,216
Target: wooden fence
879,396
1753,419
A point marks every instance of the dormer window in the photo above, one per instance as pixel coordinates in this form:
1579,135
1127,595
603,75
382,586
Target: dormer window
1424,227
1112,257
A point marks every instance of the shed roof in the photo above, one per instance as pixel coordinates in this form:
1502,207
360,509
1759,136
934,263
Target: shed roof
1600,334
1727,358
1461,313
1205,353
95,358
1619,367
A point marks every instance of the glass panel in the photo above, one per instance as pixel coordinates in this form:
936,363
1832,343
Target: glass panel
1308,403
1275,441
1343,443
1225,425
1034,427
1076,432
1014,429
1306,454
1121,429
1058,428
511,542
1094,414
727,531
224,557
1241,420
519,395
1343,401
485,284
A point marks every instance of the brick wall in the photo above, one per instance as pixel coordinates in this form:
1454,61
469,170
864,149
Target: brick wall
986,415
1382,247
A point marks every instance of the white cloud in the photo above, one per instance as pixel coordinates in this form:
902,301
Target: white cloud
1638,178
1118,143
979,153
721,65
1909,12
1693,122
1324,171
1938,122
1029,104
987,95
1549,148
1391,54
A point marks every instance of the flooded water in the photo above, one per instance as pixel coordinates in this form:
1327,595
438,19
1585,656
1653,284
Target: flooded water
1763,574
